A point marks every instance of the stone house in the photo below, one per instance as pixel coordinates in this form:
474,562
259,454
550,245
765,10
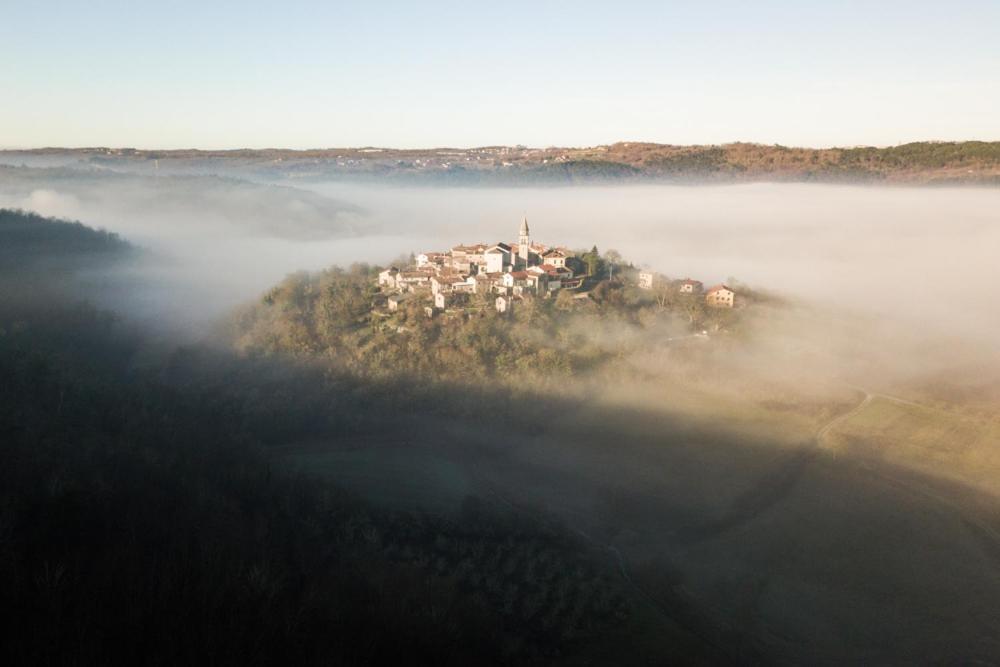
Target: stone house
395,301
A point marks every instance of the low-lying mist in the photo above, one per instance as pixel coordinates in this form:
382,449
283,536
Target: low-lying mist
817,470
884,279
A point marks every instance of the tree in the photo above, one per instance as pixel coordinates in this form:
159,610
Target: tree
564,300
593,261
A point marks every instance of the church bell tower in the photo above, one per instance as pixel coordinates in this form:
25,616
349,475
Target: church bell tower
524,241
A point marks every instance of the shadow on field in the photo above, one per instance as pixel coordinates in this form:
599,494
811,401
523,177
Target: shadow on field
775,552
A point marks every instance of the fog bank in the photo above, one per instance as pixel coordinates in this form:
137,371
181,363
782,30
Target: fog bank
919,262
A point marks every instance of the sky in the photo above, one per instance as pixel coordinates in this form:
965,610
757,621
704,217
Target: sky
313,74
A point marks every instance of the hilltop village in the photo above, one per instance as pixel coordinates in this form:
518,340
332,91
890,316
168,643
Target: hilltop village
506,274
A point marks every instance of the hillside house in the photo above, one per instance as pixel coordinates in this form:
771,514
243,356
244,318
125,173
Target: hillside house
515,279
449,282
497,258
720,296
413,279
689,286
505,303
646,279
430,259
554,257
387,278
395,301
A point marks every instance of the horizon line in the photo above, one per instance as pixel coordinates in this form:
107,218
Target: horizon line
372,147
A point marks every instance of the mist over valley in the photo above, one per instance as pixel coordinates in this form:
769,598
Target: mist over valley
679,451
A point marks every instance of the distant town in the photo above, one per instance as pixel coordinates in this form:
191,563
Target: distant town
511,273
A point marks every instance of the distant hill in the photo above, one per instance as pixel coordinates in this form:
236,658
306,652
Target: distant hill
29,240
193,195
968,162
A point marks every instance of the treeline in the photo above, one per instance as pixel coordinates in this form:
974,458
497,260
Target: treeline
974,162
28,239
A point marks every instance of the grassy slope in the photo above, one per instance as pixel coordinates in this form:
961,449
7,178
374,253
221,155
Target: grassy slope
931,440
817,557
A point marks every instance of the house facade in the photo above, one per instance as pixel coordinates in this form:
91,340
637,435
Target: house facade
720,296
689,286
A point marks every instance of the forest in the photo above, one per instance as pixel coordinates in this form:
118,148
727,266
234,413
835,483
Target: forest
584,481
144,521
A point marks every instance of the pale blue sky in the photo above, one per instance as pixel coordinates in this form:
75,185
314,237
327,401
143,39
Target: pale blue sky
315,74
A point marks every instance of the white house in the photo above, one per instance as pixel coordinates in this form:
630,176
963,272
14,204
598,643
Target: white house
689,286
505,304
387,278
497,258
554,257
646,279
446,282
514,279
430,259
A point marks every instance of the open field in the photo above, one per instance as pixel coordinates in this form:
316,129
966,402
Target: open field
932,440
815,553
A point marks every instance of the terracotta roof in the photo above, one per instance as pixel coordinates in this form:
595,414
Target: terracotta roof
688,281
479,247
519,275
716,288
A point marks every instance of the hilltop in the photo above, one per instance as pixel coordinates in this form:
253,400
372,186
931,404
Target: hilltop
928,162
504,310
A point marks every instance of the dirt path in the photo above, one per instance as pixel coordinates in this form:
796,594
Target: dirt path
987,535
769,490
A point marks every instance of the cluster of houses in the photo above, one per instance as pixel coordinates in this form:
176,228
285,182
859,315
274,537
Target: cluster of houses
719,296
509,271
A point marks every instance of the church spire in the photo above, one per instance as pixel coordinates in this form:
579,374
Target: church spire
524,242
